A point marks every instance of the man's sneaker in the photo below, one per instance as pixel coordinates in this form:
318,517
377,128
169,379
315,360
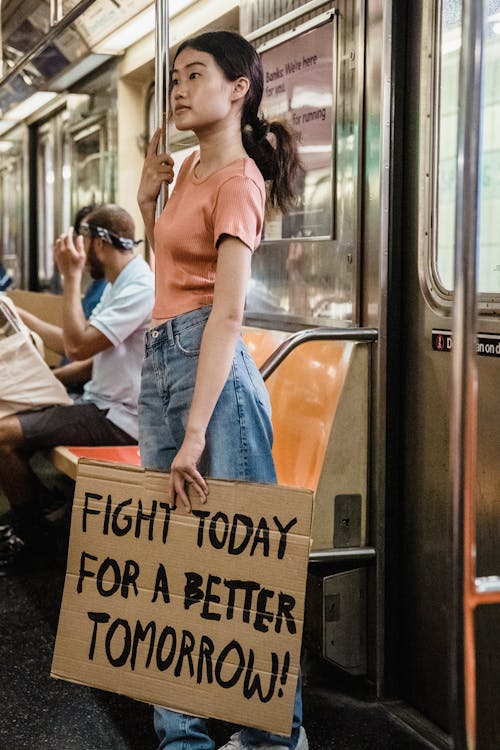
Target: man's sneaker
18,555
6,523
236,744
12,555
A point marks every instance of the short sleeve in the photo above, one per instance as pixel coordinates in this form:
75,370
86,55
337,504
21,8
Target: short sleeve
129,309
239,211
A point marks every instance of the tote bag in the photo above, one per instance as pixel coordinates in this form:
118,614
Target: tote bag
26,381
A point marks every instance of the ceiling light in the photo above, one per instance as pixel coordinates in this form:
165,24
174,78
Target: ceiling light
6,125
137,28
80,69
176,6
30,105
130,32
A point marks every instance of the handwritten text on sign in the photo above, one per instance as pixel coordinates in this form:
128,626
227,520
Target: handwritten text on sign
199,612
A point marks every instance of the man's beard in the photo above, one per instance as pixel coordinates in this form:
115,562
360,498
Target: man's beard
94,265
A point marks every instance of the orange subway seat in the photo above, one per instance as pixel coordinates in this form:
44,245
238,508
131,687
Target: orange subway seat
65,457
305,391
124,454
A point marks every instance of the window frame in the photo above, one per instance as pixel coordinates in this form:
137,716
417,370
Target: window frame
437,296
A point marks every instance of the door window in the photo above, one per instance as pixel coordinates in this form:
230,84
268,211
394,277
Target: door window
448,106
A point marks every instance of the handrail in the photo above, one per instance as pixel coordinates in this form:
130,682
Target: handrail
339,554
463,419
314,334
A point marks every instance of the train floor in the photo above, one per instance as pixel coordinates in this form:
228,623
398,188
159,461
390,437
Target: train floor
40,712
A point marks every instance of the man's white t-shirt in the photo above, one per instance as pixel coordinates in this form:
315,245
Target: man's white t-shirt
122,315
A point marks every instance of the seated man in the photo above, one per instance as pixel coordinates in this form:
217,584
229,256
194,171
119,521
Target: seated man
76,374
106,413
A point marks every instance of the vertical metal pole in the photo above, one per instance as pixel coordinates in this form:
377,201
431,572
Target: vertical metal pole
463,433
56,11
161,85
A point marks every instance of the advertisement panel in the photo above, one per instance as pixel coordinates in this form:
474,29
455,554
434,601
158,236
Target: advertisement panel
298,87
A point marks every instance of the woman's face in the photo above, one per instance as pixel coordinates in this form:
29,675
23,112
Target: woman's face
201,96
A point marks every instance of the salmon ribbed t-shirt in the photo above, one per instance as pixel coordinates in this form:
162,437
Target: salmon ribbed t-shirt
198,212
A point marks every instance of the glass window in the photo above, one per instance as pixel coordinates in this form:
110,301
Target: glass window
11,211
88,168
304,272
489,255
45,206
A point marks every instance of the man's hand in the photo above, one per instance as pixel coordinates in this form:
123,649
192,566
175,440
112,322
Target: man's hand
70,257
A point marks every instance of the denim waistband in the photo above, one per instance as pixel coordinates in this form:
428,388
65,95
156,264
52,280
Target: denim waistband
171,328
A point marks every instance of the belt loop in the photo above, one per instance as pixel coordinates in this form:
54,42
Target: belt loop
170,332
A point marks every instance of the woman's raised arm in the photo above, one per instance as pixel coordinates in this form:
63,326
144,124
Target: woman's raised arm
157,168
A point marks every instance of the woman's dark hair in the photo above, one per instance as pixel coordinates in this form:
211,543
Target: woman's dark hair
279,163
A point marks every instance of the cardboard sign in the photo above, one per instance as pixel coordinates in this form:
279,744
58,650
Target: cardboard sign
198,612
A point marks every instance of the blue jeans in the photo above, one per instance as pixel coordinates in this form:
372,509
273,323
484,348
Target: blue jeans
238,446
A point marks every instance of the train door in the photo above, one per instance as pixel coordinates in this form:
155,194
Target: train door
427,290
91,164
75,167
12,197
49,195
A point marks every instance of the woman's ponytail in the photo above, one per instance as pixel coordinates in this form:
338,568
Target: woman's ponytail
278,162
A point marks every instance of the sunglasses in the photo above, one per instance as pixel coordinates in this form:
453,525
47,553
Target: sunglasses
122,243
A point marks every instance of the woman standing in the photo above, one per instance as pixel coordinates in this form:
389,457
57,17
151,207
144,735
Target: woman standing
204,409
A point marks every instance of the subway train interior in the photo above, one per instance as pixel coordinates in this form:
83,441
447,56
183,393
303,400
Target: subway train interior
373,311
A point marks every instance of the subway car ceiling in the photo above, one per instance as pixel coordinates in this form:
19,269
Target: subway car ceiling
44,59
58,52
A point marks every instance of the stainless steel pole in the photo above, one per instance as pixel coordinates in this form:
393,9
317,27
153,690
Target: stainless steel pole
463,434
161,85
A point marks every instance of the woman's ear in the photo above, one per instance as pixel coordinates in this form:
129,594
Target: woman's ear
240,88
